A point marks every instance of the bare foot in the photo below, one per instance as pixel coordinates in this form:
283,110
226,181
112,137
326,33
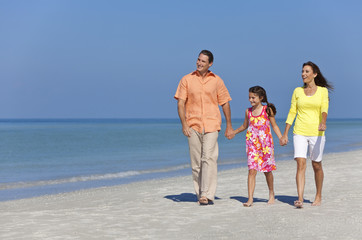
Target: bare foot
298,204
317,203
271,200
248,204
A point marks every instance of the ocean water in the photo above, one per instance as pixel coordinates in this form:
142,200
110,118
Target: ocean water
40,157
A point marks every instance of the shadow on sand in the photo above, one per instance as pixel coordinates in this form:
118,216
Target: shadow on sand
289,199
191,197
245,199
184,197
282,198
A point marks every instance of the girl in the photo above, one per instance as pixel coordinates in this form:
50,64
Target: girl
309,106
259,140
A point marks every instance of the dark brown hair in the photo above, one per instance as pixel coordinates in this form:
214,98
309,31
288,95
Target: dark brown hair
262,94
209,54
319,80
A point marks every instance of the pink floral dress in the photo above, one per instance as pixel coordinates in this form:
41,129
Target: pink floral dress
259,143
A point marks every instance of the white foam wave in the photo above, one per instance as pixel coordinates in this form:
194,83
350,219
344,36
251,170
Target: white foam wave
107,176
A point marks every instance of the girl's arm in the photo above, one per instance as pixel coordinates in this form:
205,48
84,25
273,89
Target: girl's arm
245,124
274,124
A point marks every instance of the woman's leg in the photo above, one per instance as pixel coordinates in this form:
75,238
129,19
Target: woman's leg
270,181
318,176
251,187
300,177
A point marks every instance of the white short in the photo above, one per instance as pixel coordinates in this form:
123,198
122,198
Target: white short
315,144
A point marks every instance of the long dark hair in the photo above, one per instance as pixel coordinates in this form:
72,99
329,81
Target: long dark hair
262,94
319,80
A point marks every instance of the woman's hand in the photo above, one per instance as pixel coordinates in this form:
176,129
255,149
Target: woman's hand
322,127
283,140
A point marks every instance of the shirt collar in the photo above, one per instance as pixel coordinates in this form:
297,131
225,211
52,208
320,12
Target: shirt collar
209,73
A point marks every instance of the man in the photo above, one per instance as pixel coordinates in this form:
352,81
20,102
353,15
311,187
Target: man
199,95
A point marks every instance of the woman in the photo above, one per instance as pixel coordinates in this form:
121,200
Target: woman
310,103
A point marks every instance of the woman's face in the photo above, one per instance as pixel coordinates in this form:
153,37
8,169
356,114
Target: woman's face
307,74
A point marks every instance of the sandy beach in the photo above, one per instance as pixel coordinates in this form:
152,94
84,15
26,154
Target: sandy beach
167,208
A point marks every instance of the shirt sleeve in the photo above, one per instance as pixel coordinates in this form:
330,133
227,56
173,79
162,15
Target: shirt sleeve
223,95
325,101
181,92
293,109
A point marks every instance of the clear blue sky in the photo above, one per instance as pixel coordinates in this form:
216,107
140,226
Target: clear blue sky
124,59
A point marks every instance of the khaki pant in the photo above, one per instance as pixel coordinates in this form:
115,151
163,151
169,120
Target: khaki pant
204,151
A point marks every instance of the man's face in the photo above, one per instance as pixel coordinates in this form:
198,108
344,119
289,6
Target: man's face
203,64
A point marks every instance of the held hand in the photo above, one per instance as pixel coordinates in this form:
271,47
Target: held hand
232,135
283,140
286,140
229,133
322,127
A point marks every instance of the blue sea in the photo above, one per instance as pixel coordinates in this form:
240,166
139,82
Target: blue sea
39,157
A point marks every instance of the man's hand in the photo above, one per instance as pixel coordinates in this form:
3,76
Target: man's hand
186,130
229,133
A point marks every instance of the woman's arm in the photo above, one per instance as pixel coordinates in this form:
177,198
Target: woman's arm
284,140
324,109
323,124
290,119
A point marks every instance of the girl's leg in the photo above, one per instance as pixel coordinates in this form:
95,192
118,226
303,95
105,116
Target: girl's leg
318,176
300,179
270,181
251,187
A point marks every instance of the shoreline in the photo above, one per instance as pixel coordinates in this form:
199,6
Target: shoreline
23,190
167,208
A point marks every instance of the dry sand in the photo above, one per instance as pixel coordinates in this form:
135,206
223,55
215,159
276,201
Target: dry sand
166,209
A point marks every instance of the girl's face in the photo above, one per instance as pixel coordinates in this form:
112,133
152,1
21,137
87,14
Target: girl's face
254,99
308,75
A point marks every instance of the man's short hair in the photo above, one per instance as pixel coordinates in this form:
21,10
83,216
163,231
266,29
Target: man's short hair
209,54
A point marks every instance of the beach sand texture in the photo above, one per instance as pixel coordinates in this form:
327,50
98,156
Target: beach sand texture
166,208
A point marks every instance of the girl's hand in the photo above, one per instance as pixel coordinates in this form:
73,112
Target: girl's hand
322,127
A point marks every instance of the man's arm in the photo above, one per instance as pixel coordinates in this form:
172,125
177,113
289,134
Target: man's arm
182,115
229,132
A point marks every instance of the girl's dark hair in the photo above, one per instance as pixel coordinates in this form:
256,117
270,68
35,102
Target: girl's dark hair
319,80
262,94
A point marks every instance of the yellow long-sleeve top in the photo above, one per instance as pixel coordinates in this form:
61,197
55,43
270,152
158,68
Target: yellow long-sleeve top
309,111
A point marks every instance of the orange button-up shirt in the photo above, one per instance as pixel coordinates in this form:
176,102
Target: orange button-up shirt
203,97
